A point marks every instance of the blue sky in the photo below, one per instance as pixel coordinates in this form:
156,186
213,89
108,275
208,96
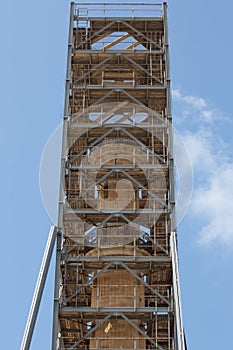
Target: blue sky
33,60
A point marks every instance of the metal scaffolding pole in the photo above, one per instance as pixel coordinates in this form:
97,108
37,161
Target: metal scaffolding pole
31,321
61,191
177,294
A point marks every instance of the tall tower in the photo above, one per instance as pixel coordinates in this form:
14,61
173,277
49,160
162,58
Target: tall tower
116,278
116,275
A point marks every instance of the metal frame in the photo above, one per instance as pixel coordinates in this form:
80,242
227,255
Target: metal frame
152,257
84,76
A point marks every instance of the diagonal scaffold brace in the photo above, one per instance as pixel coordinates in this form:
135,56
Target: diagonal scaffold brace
35,304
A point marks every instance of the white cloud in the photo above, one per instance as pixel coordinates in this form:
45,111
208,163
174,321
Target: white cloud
196,107
176,94
212,203
200,149
207,115
195,101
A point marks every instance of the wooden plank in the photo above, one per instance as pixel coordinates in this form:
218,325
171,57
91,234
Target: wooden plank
115,42
131,47
114,109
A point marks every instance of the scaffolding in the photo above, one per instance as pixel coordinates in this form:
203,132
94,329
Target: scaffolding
116,278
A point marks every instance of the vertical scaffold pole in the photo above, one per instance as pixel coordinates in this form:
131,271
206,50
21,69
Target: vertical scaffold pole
177,296
62,179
